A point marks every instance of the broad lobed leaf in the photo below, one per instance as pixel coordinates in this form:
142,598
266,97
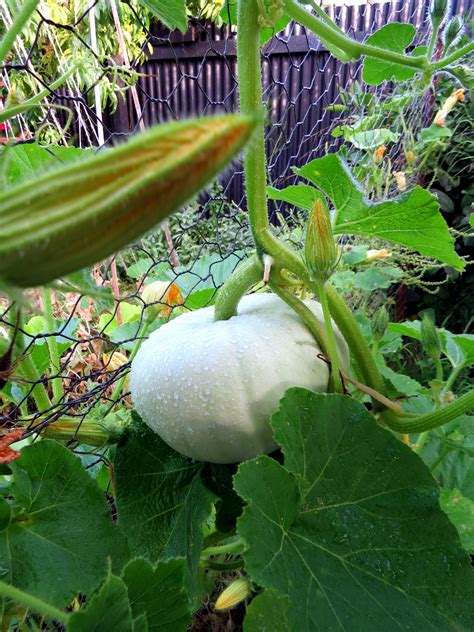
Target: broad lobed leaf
162,503
350,528
411,219
61,538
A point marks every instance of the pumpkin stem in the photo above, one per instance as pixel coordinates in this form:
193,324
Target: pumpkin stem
247,274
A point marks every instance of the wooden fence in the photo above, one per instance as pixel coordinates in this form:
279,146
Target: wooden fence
195,73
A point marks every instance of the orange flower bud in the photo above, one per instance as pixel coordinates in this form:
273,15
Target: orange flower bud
380,153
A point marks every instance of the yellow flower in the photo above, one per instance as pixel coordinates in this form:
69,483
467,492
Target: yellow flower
373,255
440,118
401,180
235,592
160,296
113,362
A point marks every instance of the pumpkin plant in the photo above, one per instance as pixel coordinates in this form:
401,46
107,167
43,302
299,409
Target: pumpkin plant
331,522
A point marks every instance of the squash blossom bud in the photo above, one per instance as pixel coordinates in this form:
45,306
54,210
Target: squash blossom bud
113,362
438,11
380,153
430,338
235,592
440,118
80,213
320,247
454,31
410,157
379,324
159,297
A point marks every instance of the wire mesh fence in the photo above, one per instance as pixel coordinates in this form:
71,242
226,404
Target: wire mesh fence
132,73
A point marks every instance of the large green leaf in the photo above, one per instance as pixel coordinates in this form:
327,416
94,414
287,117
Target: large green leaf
108,609
61,534
300,195
350,528
267,613
449,453
395,37
171,12
145,598
461,513
158,594
162,502
412,219
25,162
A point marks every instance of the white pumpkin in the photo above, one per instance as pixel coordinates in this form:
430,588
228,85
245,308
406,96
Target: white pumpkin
208,388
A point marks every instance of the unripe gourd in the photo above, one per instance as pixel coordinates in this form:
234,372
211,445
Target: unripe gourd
208,388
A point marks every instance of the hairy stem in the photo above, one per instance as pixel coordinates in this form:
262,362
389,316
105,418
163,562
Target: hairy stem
248,59
33,603
27,369
446,61
426,422
245,276
345,43
57,384
318,331
250,91
232,548
15,110
355,339
16,28
333,355
455,373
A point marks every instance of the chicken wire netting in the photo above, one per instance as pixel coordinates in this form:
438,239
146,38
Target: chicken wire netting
131,73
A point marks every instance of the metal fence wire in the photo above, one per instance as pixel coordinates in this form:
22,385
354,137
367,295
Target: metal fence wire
135,73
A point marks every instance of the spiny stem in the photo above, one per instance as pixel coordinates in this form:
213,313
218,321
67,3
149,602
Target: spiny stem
248,59
33,603
431,420
345,43
91,433
446,61
27,368
453,377
232,548
15,110
245,276
355,339
306,315
332,348
19,22
250,91
374,394
223,566
57,384
142,331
